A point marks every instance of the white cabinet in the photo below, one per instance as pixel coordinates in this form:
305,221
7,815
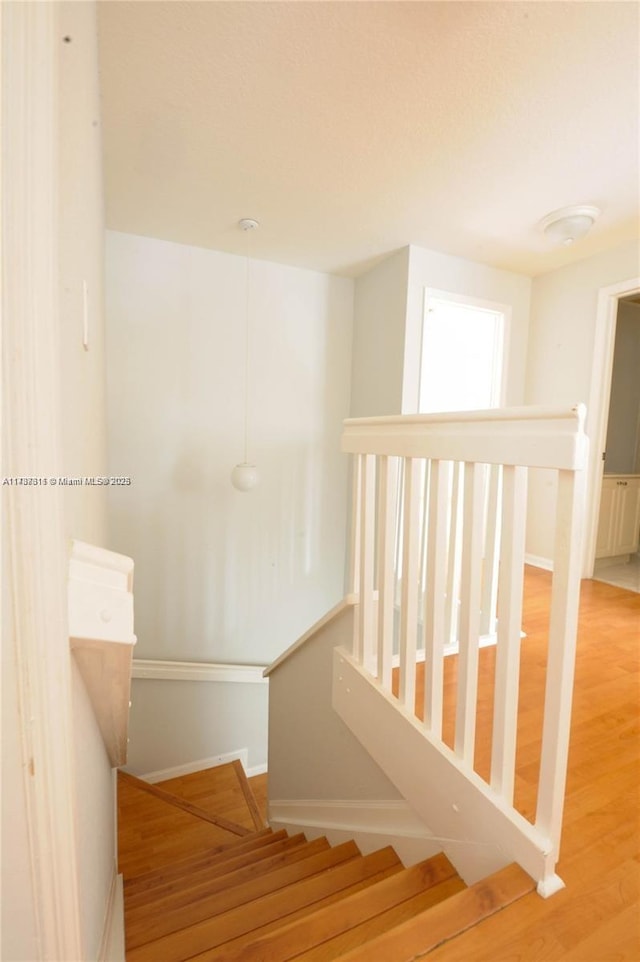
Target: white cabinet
619,519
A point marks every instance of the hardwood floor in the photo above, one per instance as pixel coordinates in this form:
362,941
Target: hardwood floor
596,917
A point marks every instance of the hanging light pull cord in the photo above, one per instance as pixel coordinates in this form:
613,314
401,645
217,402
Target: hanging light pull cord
246,357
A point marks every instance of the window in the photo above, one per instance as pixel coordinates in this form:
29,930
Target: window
462,354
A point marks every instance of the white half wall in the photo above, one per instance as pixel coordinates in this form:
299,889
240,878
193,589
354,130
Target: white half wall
173,723
312,754
560,359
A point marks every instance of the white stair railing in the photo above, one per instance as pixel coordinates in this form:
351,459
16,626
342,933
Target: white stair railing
437,556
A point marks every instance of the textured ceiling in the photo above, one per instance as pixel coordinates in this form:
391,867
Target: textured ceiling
350,129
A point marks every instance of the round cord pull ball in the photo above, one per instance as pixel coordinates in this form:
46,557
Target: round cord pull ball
244,477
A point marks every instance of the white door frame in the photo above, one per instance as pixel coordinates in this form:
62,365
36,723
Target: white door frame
35,553
598,410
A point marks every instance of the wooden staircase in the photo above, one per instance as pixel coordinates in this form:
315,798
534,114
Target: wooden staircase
205,879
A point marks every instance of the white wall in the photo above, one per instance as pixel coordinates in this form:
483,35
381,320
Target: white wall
224,576
84,423
174,723
560,359
95,805
83,382
17,906
623,449
380,308
80,846
317,757
388,316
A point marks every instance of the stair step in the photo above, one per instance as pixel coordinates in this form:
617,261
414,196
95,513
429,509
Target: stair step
444,921
183,804
336,947
270,908
219,954
153,833
214,897
222,790
230,804
324,934
207,857
199,869
159,853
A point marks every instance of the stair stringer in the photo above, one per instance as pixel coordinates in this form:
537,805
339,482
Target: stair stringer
478,832
321,780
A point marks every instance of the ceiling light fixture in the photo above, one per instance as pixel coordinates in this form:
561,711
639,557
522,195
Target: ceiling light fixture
245,475
569,224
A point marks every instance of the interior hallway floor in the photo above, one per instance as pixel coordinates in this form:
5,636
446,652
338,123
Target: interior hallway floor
621,575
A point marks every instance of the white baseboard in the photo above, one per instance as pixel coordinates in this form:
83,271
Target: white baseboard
612,561
256,770
538,561
371,824
112,942
163,774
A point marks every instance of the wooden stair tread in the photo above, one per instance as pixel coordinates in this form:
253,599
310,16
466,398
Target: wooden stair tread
207,857
253,895
444,921
153,833
226,893
175,800
336,947
222,790
352,912
209,933
227,872
219,954
230,804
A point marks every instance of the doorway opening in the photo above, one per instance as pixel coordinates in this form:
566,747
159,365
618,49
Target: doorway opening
608,529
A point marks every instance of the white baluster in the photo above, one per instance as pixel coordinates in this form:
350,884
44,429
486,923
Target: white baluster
491,552
507,674
399,525
409,602
366,631
387,500
565,596
425,481
434,609
454,553
470,591
354,540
